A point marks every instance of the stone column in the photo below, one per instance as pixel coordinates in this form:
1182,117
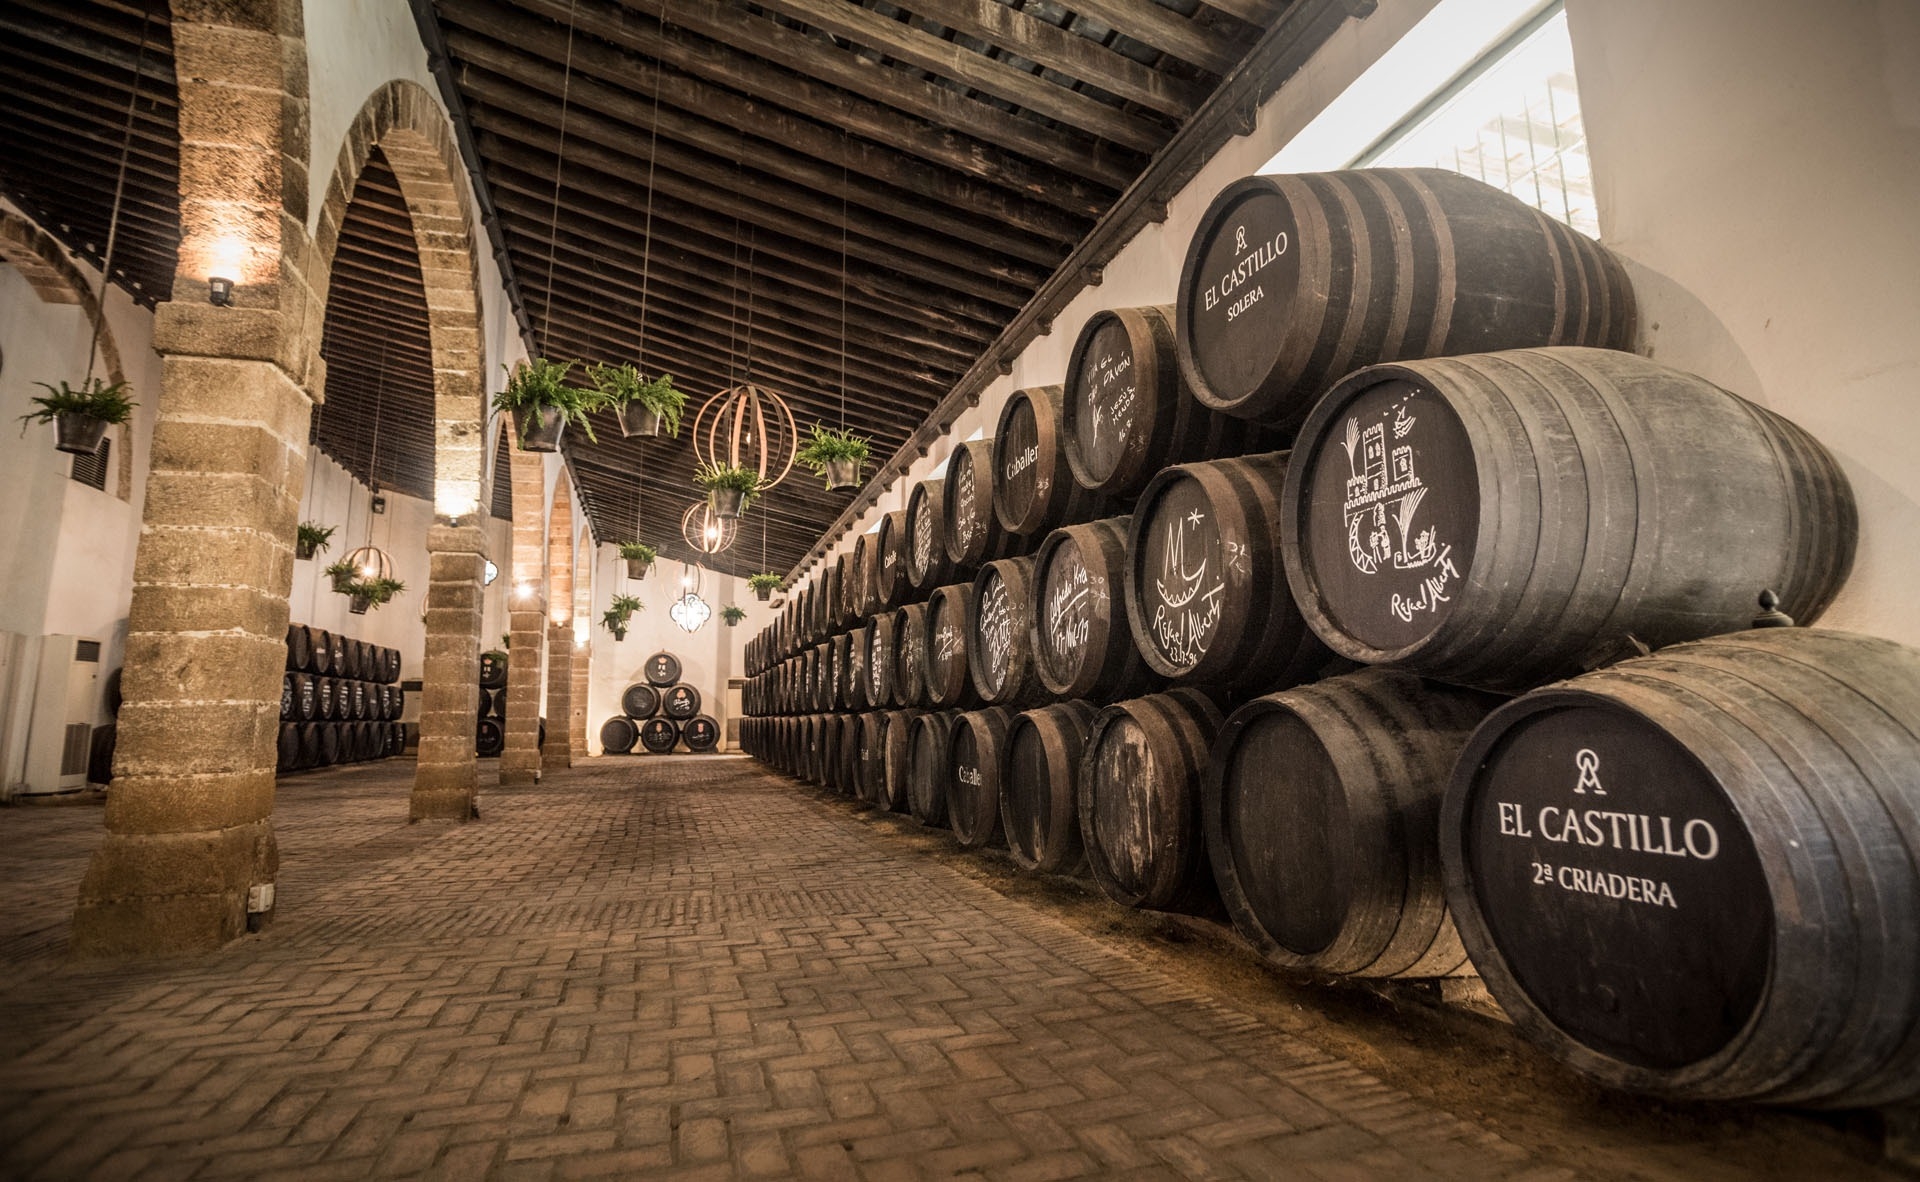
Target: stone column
444,781
189,820
561,656
577,711
526,619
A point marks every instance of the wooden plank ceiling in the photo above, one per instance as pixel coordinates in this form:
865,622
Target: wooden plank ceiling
844,201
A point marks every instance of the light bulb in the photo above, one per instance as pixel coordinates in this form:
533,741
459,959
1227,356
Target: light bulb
369,571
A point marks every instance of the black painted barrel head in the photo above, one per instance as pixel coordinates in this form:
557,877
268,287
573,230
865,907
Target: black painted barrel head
681,702
663,669
1177,583
948,680
617,735
1236,292
926,548
968,502
996,617
1612,878
701,733
1386,518
659,735
1288,840
1102,399
1065,605
1017,461
641,700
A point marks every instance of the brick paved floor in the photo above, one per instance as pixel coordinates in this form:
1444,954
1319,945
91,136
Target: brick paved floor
693,968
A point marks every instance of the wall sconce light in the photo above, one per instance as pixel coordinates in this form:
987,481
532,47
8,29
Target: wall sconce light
492,573
220,291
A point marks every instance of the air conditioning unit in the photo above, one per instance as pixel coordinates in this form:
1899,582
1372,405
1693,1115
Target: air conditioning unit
49,696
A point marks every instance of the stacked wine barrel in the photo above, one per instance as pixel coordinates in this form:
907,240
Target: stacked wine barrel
1272,604
659,714
340,701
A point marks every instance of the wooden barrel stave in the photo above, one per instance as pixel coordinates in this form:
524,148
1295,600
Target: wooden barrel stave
1140,800
1039,810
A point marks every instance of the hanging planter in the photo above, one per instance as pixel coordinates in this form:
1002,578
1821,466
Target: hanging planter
705,530
642,405
81,417
836,455
733,615
639,557
747,427
615,618
343,575
763,586
310,539
372,593
543,404
729,489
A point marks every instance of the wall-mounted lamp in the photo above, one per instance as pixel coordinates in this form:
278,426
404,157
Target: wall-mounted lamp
492,573
220,291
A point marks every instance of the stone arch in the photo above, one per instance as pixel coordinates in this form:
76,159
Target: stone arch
411,130
56,280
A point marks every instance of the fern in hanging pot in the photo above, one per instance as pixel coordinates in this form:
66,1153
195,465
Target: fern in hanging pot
615,618
639,558
542,404
835,454
344,574
729,490
310,539
371,593
81,417
763,586
733,615
642,405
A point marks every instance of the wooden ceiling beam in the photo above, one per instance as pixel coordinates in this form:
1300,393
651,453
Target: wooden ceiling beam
896,91
1258,13
1214,49
504,44
60,33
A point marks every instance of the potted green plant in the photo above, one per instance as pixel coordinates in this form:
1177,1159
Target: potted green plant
615,618
763,586
543,404
369,593
642,405
729,490
836,455
639,558
81,417
733,615
343,574
310,539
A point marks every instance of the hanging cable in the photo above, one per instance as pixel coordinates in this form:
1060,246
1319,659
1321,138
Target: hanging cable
559,169
843,295
119,193
646,230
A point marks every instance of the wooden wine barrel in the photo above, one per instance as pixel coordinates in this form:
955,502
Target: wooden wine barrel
618,734
659,734
289,699
1038,809
1000,643
974,534
976,761
864,593
897,760
662,669
1694,873
847,756
287,747
870,780
1510,518
489,740
640,700
840,595
1140,800
1034,491
889,550
1292,281
840,677
338,657
1206,601
1323,813
327,691
949,620
880,660
310,746
306,697
1082,646
930,769
859,676
299,647
493,669
1126,413
909,680
927,563
700,733
680,702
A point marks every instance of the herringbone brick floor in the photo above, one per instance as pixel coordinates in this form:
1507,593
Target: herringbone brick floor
685,968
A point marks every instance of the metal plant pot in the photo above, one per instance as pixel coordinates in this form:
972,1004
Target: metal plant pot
725,502
360,604
842,474
543,433
78,433
636,420
303,550
637,568
342,584
731,623
763,593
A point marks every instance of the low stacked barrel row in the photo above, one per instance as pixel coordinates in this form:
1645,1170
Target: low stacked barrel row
659,713
1376,594
340,701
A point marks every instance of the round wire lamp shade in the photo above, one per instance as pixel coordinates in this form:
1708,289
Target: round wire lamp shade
747,427
707,531
371,562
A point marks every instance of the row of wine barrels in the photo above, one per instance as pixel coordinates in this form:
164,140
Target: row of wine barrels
1291,281
304,745
316,650
1506,519
658,735
1034,491
1127,414
305,697
640,700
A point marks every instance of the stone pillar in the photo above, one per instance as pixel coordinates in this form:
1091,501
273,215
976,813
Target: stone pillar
561,658
577,705
189,820
527,620
445,778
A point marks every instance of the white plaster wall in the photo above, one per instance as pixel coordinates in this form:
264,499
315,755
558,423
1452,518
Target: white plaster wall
1757,163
